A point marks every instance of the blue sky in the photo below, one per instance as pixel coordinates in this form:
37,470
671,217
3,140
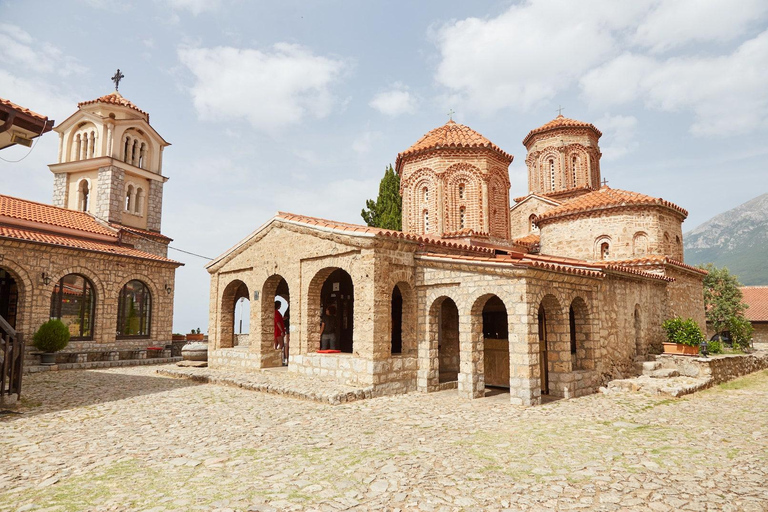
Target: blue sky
299,106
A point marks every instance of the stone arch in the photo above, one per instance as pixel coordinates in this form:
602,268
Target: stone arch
554,352
156,291
602,249
322,293
640,244
443,332
580,335
415,203
231,294
498,207
403,319
75,301
578,171
549,170
84,191
273,286
490,335
468,177
82,142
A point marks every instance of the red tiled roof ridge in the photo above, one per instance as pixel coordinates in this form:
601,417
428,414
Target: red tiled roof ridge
113,98
756,297
451,135
560,122
27,111
139,231
534,194
528,240
40,237
374,231
651,259
604,198
522,260
24,209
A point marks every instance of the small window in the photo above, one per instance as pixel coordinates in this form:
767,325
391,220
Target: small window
426,194
462,211
461,191
426,221
82,196
605,250
552,173
574,166
532,221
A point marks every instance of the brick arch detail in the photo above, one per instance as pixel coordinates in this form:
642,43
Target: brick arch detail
25,289
226,323
413,201
472,201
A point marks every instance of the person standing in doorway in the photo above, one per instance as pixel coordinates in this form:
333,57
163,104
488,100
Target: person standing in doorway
287,336
328,330
279,327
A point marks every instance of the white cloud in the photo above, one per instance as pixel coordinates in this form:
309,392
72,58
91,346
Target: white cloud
530,52
394,102
364,142
270,89
673,24
619,136
196,7
725,93
19,50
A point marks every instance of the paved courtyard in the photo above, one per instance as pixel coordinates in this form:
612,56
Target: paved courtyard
129,439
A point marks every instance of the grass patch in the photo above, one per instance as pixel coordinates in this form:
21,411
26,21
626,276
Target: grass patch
745,382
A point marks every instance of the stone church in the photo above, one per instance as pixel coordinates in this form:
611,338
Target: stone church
555,295
96,258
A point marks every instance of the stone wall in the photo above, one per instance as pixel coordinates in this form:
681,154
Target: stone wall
60,190
624,229
155,206
520,215
719,368
27,262
760,335
109,196
146,244
560,146
686,295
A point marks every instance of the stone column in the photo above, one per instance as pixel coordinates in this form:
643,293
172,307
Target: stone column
427,377
110,140
471,364
60,190
61,146
524,371
108,195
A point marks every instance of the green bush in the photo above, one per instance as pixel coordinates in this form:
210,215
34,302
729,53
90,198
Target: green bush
741,332
685,332
715,347
52,336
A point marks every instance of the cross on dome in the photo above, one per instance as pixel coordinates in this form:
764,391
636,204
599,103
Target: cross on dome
117,77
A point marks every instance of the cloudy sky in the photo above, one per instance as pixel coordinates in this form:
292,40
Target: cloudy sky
299,106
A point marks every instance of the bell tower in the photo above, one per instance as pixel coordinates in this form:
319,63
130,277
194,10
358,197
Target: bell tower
110,163
563,158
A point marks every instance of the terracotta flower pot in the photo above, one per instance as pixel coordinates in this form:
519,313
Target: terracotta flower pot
680,349
195,337
178,337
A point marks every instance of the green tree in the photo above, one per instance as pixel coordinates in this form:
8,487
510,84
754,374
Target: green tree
724,307
387,211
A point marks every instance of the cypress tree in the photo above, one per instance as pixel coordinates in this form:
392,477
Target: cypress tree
386,212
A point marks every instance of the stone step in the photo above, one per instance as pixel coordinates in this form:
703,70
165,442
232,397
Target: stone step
650,366
664,373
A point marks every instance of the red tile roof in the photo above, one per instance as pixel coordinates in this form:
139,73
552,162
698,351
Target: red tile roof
757,298
560,122
8,103
606,198
141,232
451,135
527,241
31,211
654,259
78,243
114,98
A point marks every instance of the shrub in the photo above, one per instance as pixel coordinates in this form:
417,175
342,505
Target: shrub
741,332
715,347
52,336
685,332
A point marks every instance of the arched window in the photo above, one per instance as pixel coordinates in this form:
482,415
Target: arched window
572,324
92,145
426,221
574,166
426,194
552,173
134,310
73,302
129,198
138,207
78,144
82,196
461,191
142,154
532,222
605,250
127,150
462,211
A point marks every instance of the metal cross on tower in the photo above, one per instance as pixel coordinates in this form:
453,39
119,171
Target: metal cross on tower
450,114
117,77
605,182
560,110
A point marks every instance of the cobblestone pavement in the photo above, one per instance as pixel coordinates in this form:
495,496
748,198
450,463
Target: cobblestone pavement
128,439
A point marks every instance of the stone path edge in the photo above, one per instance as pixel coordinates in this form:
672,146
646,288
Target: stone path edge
271,388
99,364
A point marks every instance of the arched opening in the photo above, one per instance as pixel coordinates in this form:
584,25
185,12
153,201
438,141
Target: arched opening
605,251
233,292
495,343
134,311
275,321
580,335
82,196
73,301
640,244
129,198
543,352
397,321
448,341
337,297
554,350
242,317
532,222
138,207
638,333
9,297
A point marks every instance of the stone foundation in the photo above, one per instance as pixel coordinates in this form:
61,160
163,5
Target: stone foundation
717,368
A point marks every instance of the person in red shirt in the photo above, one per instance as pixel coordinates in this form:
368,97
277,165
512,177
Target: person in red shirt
279,327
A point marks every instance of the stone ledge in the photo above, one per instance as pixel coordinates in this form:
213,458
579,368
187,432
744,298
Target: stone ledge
99,364
276,381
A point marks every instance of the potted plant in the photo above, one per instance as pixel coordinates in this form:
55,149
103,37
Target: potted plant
51,337
178,337
683,336
195,335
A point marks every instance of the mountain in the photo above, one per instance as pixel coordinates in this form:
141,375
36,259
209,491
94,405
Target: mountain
737,239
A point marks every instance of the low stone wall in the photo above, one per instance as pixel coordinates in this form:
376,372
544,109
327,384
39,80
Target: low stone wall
234,358
718,369
573,384
99,364
393,376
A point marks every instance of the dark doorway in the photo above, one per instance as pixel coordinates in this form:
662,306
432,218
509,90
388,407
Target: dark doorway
397,321
495,343
543,356
338,294
9,295
448,341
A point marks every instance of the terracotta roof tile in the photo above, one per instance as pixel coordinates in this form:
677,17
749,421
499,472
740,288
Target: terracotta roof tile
114,98
560,122
25,210
606,198
373,231
141,232
77,243
757,298
653,259
451,135
19,108
528,241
